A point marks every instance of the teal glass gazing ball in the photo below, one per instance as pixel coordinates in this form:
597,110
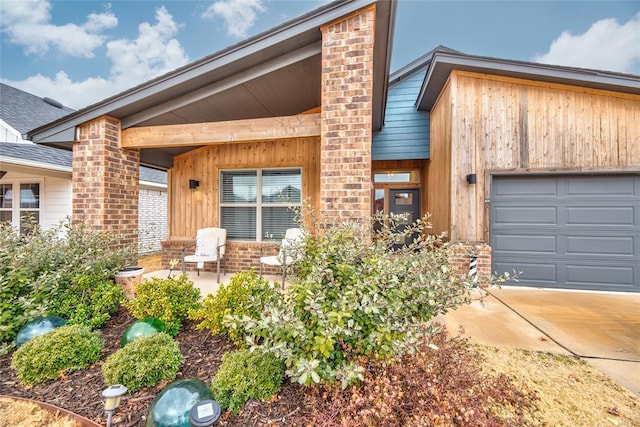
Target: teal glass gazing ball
172,406
38,326
141,328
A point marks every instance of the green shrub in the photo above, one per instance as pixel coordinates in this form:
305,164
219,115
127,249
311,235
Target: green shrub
65,349
355,295
144,362
38,270
89,300
169,300
246,375
246,294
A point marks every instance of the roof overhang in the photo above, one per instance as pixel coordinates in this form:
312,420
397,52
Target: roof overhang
276,73
443,63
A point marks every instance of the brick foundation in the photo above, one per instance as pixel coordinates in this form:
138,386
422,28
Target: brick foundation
105,181
346,126
460,257
239,256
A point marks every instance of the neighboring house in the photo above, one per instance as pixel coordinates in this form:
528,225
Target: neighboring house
539,163
36,179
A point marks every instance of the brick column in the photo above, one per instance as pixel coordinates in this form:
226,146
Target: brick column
105,181
346,98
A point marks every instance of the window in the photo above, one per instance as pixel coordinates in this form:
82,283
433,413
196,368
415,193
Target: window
22,207
258,205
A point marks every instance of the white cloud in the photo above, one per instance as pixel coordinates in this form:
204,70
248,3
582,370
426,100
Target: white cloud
238,15
607,45
152,53
28,24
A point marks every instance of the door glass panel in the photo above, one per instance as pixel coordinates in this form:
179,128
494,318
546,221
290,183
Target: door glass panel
403,199
378,203
392,177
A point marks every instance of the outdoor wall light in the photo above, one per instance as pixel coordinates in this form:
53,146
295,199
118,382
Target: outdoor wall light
472,178
194,183
204,413
112,397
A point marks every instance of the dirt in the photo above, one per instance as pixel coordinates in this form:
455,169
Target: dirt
80,391
571,392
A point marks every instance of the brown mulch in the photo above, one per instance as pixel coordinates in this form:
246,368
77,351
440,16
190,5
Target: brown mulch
79,391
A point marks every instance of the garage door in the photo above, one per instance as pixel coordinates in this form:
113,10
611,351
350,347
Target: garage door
568,231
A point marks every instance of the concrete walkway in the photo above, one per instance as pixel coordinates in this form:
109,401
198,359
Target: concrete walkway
602,328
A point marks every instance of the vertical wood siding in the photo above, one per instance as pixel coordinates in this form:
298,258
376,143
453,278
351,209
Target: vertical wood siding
193,209
501,124
439,169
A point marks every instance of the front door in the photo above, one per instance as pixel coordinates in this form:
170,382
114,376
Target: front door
405,201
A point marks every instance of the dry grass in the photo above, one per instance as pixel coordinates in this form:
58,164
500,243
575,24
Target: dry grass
151,262
27,414
571,392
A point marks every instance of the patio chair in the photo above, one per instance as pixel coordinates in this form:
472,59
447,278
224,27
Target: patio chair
210,247
289,252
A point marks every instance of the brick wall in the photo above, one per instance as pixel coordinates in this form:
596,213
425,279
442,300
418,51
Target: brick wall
460,257
239,256
152,218
105,181
346,98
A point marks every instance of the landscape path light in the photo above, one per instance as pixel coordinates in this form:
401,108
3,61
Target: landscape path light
112,395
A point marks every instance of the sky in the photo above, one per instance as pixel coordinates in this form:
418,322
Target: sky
82,51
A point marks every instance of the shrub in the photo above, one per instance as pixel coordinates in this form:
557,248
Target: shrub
89,300
442,384
65,349
246,294
356,296
246,375
144,362
38,270
168,300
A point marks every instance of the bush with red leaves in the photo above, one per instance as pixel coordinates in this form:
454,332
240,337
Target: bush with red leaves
442,384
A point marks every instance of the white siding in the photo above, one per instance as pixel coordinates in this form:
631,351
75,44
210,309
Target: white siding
152,217
56,201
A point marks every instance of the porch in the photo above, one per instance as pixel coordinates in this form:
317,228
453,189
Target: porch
206,281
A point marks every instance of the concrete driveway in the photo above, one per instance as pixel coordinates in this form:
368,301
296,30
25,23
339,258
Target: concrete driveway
602,328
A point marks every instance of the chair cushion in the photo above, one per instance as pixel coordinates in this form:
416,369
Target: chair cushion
206,246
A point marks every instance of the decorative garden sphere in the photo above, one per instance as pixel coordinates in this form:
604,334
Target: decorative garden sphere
38,326
141,328
172,406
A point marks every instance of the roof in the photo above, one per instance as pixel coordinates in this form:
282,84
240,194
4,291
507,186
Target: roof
41,156
24,111
275,73
444,62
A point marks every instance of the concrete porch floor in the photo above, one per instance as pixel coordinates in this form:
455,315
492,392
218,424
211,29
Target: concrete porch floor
206,281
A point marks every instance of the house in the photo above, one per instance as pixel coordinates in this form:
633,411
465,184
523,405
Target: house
524,165
36,179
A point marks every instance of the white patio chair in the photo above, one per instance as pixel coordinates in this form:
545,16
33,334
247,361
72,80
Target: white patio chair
210,247
290,251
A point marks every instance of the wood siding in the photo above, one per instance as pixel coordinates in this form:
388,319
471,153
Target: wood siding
190,210
405,134
502,125
439,168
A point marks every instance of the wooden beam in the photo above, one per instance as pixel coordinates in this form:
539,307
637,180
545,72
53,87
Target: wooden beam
214,133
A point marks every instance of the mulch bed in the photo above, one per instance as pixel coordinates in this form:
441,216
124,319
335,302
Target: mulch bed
80,392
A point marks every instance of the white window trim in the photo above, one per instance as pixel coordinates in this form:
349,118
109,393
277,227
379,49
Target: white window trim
259,204
16,210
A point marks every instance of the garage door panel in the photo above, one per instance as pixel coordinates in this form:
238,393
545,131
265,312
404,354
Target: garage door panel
600,246
597,274
613,216
525,215
521,187
525,244
585,233
538,273
613,186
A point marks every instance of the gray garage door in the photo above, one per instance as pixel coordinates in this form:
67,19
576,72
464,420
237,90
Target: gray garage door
568,231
